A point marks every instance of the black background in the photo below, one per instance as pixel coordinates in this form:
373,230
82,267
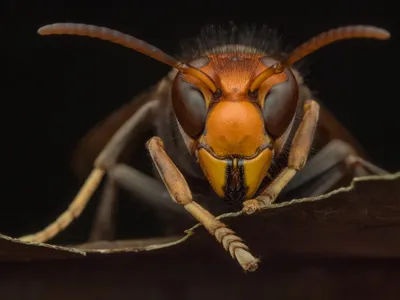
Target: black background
55,89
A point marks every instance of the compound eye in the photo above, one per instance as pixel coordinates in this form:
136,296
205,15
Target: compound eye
280,105
190,106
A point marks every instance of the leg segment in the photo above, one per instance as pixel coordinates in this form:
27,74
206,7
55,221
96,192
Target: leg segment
299,151
103,227
181,194
105,160
331,164
151,190
72,212
146,188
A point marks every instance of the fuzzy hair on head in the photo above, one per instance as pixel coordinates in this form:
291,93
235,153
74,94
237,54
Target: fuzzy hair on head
214,39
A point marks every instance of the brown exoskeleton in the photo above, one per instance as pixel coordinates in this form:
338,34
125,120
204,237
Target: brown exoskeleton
235,121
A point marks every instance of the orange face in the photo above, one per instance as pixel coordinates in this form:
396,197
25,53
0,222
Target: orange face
231,142
235,151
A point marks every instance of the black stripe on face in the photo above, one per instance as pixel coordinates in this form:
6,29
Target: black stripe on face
235,189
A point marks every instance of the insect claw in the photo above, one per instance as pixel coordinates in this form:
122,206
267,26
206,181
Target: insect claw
251,206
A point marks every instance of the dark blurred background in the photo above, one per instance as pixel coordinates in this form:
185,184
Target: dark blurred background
56,88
